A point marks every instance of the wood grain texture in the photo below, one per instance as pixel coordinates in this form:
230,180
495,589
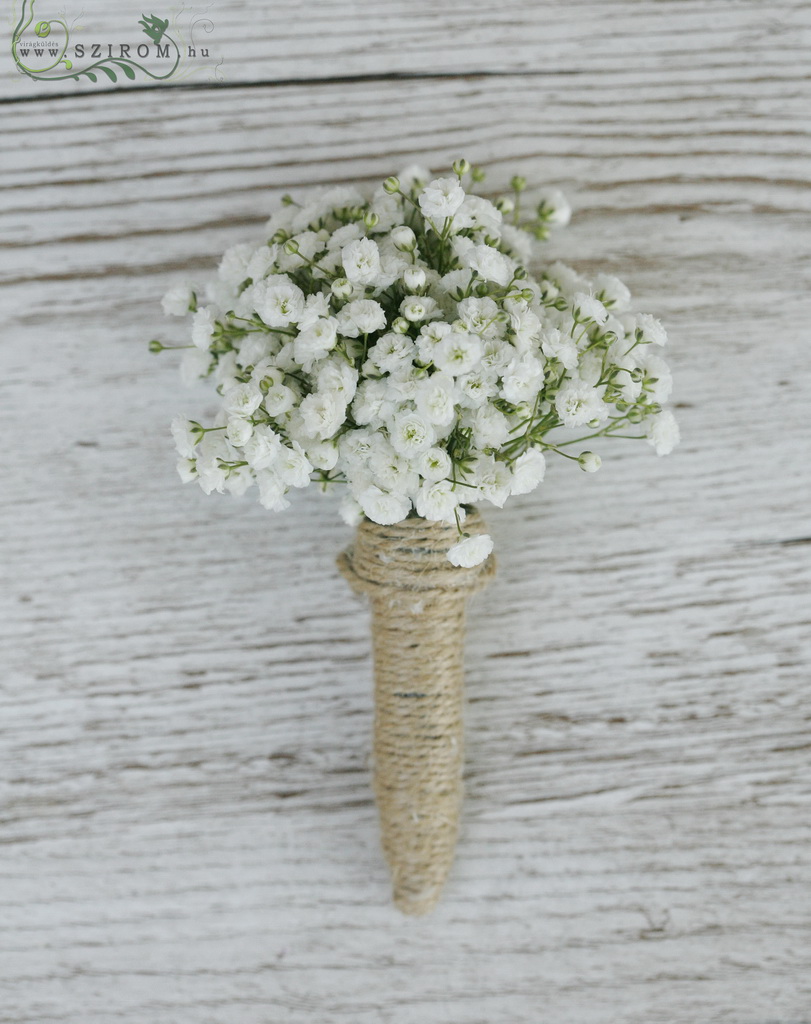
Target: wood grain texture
273,42
186,826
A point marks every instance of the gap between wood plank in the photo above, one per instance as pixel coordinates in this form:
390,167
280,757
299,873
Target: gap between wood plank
278,83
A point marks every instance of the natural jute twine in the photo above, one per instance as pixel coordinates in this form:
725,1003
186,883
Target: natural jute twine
418,627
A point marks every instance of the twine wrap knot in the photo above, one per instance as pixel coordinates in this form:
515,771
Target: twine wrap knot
418,603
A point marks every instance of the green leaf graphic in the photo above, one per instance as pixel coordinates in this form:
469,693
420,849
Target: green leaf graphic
127,70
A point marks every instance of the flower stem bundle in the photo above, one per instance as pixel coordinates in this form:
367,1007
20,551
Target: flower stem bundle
418,626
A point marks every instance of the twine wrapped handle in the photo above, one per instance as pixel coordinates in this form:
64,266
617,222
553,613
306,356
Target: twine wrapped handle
418,603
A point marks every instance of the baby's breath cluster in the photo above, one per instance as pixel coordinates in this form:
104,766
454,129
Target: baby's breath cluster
397,344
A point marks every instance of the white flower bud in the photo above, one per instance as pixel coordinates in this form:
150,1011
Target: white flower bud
589,462
414,278
341,288
404,238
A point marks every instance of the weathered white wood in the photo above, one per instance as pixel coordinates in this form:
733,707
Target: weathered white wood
186,826
260,42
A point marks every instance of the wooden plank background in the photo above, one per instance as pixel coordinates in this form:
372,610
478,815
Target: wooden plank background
186,825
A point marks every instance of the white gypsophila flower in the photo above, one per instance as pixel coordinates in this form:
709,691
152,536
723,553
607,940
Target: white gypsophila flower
323,414
240,303
357,446
401,384
285,358
526,329
322,454
475,388
434,398
293,466
266,374
416,308
262,448
202,327
278,400
253,349
434,464
658,382
391,351
362,316
461,245
522,379
437,501
519,242
471,551
238,480
410,434
612,292
350,511
588,309
481,317
338,377
238,431
186,470
316,307
555,206
301,251
528,471
613,328
493,480
278,301
480,214
186,435
316,341
210,475
392,472
591,368
233,268
415,175
441,199
651,330
566,278
178,300
457,353
242,400
429,338
361,261
491,428
372,403
272,490
227,371
382,507
194,364
496,356
387,208
456,283
261,261
489,263
630,386
663,433
578,402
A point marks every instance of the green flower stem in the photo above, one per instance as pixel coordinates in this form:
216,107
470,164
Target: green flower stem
605,432
554,448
